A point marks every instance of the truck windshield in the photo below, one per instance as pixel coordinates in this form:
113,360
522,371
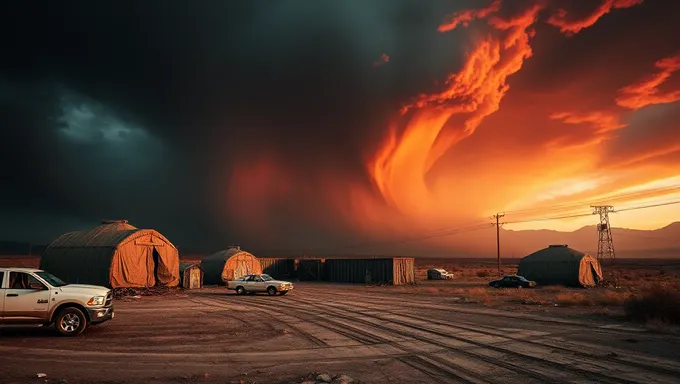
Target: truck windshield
50,278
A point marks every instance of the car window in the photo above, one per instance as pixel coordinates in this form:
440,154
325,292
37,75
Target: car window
2,276
21,280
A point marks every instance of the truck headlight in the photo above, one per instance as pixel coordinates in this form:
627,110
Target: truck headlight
97,300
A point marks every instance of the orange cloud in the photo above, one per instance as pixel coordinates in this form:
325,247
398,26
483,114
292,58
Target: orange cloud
646,92
571,27
465,16
528,119
603,121
422,168
473,93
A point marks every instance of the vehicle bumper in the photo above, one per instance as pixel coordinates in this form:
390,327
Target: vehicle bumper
100,315
288,288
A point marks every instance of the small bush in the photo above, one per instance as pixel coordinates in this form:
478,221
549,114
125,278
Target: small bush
482,273
657,304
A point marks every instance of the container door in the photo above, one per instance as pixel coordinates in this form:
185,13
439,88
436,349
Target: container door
195,279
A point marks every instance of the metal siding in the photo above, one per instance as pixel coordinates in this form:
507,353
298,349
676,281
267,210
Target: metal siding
278,268
404,271
374,271
311,269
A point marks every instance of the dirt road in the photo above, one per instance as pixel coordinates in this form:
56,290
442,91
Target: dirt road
210,336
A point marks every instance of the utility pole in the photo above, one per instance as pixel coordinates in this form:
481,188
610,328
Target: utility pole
498,240
605,243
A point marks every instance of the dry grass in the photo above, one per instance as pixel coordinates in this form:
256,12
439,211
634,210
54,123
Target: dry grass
659,304
569,299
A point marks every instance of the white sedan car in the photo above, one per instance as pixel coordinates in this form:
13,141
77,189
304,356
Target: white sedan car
259,283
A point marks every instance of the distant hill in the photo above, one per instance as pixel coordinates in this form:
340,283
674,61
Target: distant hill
635,243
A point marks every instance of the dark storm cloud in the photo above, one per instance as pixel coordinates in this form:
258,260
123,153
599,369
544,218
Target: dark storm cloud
123,109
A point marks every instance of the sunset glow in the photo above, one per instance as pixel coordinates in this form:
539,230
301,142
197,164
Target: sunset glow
404,164
498,135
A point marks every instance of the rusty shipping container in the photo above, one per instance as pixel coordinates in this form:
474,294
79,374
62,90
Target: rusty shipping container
311,269
278,268
396,271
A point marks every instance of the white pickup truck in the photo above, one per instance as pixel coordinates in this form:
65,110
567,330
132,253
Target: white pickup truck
33,296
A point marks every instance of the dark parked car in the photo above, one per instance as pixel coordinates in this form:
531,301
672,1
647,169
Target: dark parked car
512,281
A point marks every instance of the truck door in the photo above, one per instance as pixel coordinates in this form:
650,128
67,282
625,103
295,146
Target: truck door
2,295
26,299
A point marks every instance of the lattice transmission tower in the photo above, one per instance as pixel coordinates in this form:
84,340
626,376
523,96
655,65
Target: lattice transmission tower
605,243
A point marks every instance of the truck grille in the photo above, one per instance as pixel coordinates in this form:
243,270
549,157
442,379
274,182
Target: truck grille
108,299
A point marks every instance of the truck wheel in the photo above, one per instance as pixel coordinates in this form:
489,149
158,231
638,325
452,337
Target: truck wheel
70,321
241,291
271,291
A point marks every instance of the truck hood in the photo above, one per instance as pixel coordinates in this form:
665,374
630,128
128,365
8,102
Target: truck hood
84,288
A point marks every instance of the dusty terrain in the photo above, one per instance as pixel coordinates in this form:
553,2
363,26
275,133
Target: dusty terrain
377,336
435,332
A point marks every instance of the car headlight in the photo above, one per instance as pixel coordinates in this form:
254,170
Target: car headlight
96,300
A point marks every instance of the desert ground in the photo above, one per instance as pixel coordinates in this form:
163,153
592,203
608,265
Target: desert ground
458,331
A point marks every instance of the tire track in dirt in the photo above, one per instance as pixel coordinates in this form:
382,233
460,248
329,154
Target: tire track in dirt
486,368
583,349
474,360
295,327
424,360
384,299
576,366
623,364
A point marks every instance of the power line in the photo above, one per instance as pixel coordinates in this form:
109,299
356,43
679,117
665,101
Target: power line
549,218
475,226
648,206
611,199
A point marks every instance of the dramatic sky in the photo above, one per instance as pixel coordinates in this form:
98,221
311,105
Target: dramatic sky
315,125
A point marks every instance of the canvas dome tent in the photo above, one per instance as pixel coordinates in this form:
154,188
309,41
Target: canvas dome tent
113,254
559,264
229,264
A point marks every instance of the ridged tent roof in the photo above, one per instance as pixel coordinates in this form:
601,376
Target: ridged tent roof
184,266
225,254
555,253
109,234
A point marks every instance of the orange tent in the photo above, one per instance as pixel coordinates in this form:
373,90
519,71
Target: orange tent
229,264
114,254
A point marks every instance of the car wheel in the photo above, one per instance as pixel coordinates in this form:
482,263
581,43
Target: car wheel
240,291
70,321
271,291
283,293
519,287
